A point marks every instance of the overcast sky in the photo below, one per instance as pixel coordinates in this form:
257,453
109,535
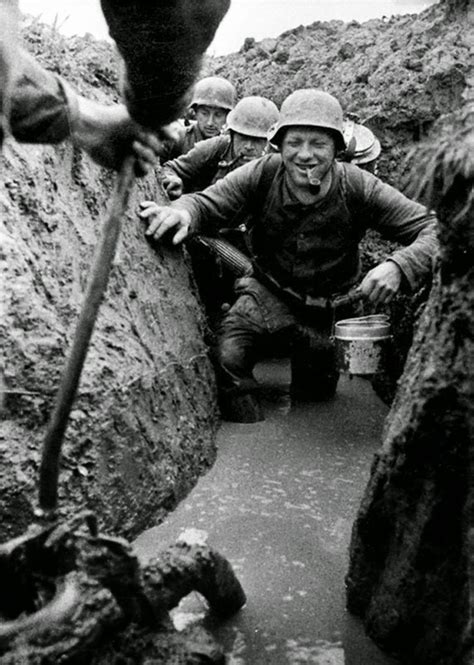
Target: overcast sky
246,18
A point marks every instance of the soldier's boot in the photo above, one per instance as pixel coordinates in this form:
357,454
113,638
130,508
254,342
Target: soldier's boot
241,408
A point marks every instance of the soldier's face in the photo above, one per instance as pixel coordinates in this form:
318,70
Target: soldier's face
210,120
307,153
248,147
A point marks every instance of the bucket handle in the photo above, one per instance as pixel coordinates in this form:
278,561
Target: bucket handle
369,318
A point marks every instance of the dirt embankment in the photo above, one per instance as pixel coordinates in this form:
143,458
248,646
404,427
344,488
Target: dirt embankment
142,428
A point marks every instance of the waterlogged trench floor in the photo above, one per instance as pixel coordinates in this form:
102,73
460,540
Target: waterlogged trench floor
279,504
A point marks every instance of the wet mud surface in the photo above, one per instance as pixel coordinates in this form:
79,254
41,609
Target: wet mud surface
279,504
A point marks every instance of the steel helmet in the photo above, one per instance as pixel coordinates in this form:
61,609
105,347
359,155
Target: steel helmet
253,116
214,91
310,108
362,145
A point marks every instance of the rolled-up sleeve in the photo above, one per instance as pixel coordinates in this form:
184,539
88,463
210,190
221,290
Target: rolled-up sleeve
221,203
42,106
399,218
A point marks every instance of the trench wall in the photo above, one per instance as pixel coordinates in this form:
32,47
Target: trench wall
142,427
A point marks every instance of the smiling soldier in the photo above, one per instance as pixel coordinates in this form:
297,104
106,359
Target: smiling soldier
309,213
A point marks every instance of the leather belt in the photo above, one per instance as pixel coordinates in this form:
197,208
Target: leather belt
292,297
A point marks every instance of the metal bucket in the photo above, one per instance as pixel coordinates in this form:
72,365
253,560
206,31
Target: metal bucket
361,343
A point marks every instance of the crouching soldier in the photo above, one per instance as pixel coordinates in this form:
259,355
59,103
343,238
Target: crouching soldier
309,213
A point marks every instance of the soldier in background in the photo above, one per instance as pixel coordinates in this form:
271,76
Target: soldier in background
244,139
362,146
213,98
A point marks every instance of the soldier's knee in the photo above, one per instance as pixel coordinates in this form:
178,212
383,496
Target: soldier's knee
229,355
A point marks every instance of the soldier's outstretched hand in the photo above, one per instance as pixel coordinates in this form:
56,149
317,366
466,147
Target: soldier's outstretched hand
162,219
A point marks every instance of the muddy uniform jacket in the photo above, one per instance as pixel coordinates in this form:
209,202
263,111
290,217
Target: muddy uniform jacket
205,164
314,249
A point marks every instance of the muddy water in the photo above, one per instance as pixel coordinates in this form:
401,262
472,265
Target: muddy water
279,504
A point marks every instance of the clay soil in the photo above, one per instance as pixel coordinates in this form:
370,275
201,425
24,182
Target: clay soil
142,427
